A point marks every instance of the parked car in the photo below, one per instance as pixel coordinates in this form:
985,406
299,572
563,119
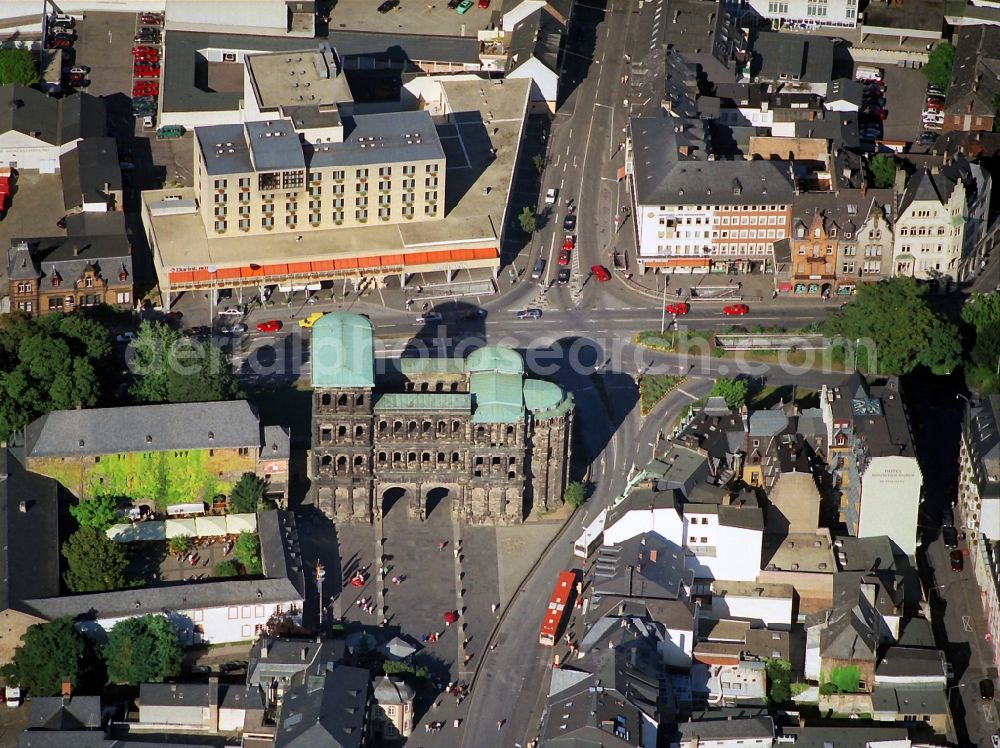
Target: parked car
927,137
463,7
986,689
170,131
551,194
735,310
538,269
125,337
957,560
146,89
233,667
231,311
427,317
62,19
58,43
387,6
569,222
271,325
452,4
529,314
79,70
151,19
601,273
145,72
564,257
678,309
483,4
950,537
877,112
563,277
569,242
198,331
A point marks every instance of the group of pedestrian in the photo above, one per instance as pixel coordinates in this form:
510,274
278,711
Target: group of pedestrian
367,605
433,726
431,638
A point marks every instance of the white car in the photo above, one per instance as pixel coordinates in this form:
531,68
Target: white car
550,196
231,311
125,337
79,70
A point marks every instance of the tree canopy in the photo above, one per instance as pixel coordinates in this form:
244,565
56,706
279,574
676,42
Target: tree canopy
895,325
50,363
18,65
574,494
142,650
938,67
100,511
94,562
779,674
247,552
527,219
882,168
735,391
50,652
246,494
170,368
982,314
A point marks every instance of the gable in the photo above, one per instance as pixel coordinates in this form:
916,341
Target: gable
16,139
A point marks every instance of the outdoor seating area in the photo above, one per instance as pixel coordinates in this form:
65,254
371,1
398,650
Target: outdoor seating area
196,528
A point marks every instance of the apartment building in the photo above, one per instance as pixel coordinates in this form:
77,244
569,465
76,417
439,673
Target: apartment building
941,219
871,457
975,84
695,213
808,14
979,469
259,177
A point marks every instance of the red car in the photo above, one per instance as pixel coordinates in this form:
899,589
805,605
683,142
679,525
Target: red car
146,88
957,562
735,310
145,58
60,43
151,53
569,242
678,309
601,273
144,72
933,105
272,325
563,257
484,4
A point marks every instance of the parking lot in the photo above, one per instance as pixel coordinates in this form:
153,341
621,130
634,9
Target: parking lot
411,17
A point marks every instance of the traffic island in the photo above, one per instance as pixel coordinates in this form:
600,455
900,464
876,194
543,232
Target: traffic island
653,388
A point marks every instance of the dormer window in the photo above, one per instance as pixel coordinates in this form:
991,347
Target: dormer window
56,280
123,276
89,281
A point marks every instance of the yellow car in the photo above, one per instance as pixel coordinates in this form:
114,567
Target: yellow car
311,319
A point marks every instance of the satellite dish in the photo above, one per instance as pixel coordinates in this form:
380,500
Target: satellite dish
212,269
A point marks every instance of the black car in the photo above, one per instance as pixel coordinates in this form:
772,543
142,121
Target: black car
452,4
563,278
529,314
569,222
387,6
986,689
950,537
475,313
201,670
233,667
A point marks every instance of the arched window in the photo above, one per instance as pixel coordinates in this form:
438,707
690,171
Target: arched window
325,460
425,457
454,386
423,386
359,461
341,464
439,387
440,459
442,427
455,457
359,400
325,398
397,426
359,431
426,427
480,431
397,457
342,400
381,457
411,457
456,426
411,427
342,431
382,427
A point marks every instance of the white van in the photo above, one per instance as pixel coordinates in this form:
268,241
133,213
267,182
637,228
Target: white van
865,74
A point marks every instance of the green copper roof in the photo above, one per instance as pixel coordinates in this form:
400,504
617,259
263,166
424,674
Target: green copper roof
432,365
497,397
424,401
546,399
495,358
342,351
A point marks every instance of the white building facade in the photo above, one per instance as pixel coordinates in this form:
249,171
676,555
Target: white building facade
890,499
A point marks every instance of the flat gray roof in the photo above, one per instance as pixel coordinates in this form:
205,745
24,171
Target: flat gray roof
298,78
274,145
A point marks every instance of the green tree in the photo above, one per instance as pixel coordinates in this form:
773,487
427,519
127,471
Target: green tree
94,562
982,311
48,364
779,675
18,65
538,160
845,678
227,568
527,219
246,494
247,552
100,512
882,169
894,320
169,368
574,494
142,650
734,391
180,545
938,67
50,652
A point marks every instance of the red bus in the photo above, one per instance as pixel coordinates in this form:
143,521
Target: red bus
559,605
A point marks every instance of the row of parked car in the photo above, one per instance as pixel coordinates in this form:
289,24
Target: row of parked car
933,114
146,65
873,111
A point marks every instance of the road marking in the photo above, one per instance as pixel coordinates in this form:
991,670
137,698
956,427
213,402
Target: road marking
685,392
567,150
967,623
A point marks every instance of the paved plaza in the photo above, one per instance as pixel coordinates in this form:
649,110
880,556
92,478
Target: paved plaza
474,574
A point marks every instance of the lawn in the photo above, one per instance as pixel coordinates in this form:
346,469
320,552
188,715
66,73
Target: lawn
653,388
769,396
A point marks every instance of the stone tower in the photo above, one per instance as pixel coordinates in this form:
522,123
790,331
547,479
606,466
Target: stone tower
343,387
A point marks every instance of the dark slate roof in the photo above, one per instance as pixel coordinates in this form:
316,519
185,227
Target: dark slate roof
73,739
57,713
174,694
865,554
937,184
585,715
981,428
29,539
875,413
667,175
95,224
64,259
911,662
90,171
290,658
975,72
179,93
57,121
750,727
910,699
629,569
704,32
327,711
845,89
537,36
284,582
846,736
792,57
220,425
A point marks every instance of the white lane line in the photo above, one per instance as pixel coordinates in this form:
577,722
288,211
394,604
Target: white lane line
567,150
685,392
967,623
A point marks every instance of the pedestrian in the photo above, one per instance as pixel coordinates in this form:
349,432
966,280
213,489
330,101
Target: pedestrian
456,552
441,545
494,607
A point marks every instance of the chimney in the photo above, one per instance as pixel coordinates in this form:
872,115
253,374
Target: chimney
66,690
652,556
263,649
213,703
76,250
305,653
